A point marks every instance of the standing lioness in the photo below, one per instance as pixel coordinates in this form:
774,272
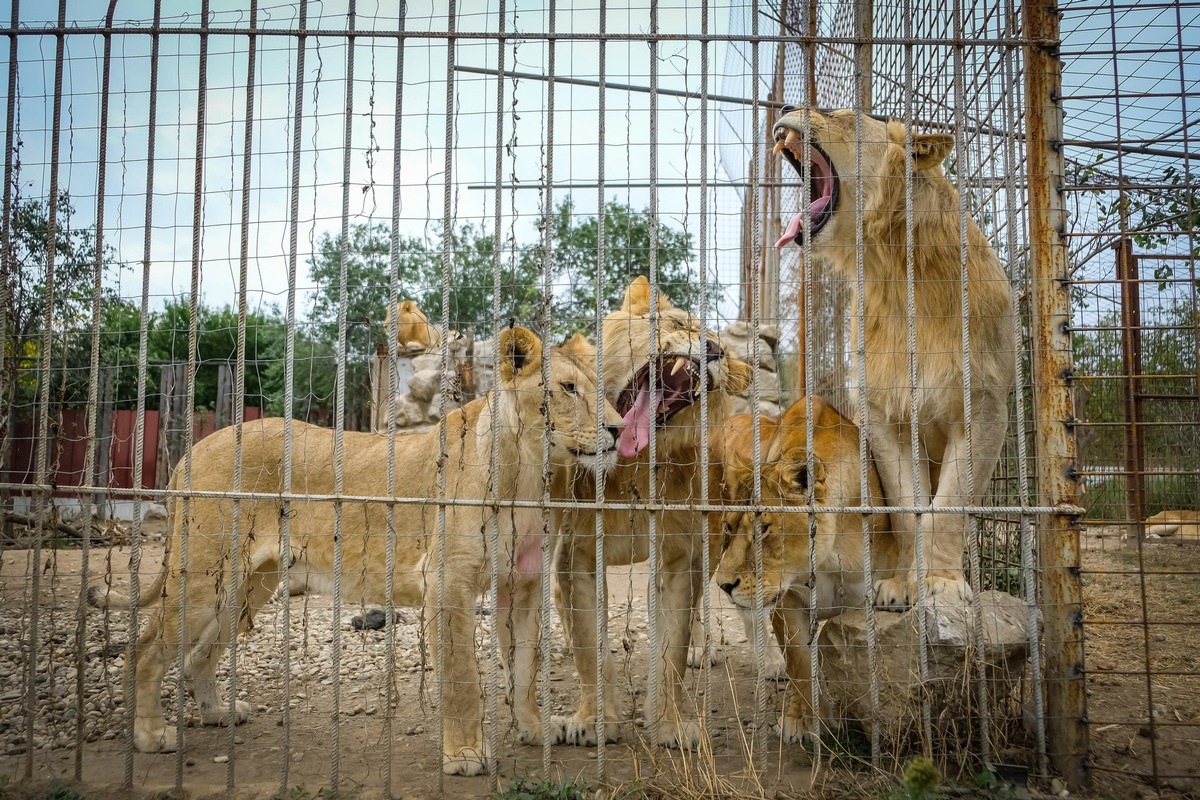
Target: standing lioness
841,165
517,415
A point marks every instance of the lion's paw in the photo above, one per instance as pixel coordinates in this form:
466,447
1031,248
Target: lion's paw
241,713
900,593
159,740
581,732
466,761
682,735
794,730
530,733
698,657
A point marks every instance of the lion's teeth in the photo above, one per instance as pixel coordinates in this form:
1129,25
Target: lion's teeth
791,137
679,362
778,148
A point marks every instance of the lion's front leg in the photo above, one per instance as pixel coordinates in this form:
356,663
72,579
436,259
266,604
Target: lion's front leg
678,596
578,582
518,622
452,634
892,446
792,622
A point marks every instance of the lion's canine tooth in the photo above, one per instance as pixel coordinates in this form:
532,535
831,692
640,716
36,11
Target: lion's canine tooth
679,362
778,148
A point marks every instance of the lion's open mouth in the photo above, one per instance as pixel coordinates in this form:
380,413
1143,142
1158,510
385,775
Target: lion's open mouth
677,385
823,184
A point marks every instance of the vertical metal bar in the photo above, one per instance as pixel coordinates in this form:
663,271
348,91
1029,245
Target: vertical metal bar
289,399
703,703
183,524
975,576
447,262
654,685
547,295
7,324
601,613
1131,388
41,495
339,429
1061,587
493,527
918,498
1012,112
239,403
392,696
89,460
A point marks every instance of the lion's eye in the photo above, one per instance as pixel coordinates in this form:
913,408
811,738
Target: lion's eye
569,388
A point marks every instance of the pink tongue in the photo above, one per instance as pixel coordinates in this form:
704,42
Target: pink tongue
635,436
790,234
793,228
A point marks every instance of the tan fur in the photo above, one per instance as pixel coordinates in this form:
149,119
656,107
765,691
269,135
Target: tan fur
413,330
837,542
1184,524
681,533
513,413
731,465
946,475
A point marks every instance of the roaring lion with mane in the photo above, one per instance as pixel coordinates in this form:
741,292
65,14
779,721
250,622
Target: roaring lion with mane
516,415
913,222
657,360
787,571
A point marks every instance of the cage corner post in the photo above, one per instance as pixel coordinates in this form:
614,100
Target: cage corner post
1061,588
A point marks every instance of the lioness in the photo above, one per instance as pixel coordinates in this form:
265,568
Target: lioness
1184,524
516,413
787,571
678,364
828,153
413,329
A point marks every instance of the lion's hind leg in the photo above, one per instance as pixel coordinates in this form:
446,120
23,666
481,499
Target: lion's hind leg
200,664
148,660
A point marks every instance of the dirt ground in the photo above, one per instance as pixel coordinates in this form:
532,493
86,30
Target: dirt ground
1122,693
251,757
354,748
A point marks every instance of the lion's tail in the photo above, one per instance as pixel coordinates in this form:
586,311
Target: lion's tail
100,597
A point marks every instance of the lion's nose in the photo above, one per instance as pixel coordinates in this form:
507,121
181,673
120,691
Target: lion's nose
730,586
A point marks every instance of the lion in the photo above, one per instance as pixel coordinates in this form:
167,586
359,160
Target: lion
731,470
1184,524
680,363
837,566
518,413
955,464
413,329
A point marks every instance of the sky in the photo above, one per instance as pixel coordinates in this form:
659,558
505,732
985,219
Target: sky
1120,81
372,152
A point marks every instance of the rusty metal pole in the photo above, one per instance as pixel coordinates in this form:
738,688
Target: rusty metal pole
1131,388
1061,588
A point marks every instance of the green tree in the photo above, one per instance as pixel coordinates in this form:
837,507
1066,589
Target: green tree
29,292
574,241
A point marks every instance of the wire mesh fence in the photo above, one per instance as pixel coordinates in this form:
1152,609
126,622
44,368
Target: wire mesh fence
290,296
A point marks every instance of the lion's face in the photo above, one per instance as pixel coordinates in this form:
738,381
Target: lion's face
678,366
829,154
787,476
784,536
569,399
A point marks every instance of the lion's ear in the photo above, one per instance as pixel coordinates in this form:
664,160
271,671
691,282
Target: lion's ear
931,149
637,298
520,352
579,345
